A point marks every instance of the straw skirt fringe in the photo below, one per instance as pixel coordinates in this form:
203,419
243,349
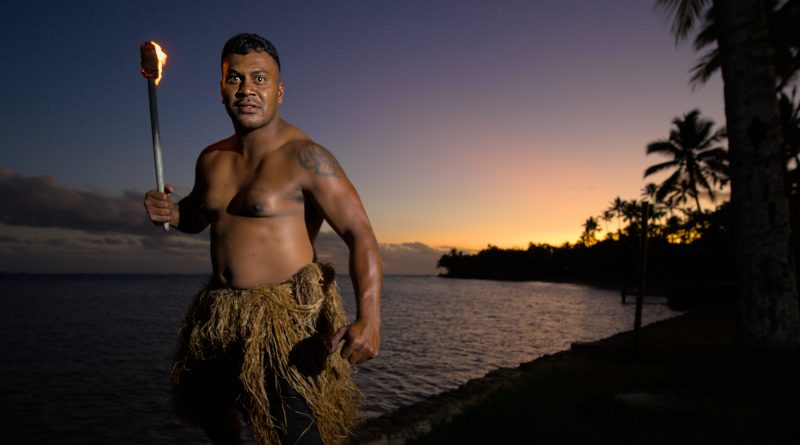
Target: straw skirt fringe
232,341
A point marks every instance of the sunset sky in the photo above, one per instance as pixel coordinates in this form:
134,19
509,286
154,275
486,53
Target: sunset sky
461,123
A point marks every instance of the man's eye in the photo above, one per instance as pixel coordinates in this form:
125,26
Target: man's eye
233,79
260,78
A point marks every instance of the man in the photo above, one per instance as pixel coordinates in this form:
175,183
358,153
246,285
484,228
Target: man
261,337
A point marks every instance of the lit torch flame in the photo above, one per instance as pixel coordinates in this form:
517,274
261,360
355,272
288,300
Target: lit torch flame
162,60
153,60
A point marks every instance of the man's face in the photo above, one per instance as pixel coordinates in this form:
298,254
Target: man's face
251,89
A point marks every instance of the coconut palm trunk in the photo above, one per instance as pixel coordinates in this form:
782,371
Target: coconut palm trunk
764,263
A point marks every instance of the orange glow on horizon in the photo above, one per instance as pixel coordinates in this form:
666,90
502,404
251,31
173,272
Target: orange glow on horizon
479,241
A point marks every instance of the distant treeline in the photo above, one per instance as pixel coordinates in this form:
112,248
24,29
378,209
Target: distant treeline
707,258
689,247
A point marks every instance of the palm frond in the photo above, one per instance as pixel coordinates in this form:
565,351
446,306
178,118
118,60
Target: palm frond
662,147
684,14
653,169
708,64
668,186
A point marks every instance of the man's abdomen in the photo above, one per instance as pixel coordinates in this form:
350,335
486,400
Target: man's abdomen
252,252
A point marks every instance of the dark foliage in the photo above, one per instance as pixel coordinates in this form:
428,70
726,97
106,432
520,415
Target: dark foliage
704,261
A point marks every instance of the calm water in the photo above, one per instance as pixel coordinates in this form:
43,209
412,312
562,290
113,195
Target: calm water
86,358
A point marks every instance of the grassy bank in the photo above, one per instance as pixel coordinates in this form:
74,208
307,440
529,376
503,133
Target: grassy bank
688,384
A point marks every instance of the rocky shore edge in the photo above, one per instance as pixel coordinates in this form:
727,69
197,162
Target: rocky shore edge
689,382
410,421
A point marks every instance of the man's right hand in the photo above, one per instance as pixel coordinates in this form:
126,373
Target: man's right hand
159,206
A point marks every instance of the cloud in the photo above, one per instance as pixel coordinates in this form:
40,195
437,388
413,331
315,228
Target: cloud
58,250
48,227
41,201
413,258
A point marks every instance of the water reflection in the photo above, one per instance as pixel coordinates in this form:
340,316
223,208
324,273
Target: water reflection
439,333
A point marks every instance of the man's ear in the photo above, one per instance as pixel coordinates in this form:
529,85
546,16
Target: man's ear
221,95
280,92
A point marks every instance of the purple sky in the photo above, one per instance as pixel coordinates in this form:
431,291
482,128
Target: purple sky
461,123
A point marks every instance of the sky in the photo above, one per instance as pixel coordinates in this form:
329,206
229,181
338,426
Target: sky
461,123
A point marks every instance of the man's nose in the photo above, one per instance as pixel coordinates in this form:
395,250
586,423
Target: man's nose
245,87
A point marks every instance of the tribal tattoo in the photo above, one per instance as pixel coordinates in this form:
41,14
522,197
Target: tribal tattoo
319,160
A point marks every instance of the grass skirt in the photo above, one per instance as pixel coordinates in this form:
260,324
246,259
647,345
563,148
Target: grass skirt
233,343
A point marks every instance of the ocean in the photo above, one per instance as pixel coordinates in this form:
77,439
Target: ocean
86,358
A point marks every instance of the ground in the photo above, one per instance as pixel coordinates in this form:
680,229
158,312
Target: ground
689,384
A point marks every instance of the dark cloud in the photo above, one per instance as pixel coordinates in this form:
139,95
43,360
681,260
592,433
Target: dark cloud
410,258
413,258
41,201
59,250
117,229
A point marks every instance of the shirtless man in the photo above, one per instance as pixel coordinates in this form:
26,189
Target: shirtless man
264,192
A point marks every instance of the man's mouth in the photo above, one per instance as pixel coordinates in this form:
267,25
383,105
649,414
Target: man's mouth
247,107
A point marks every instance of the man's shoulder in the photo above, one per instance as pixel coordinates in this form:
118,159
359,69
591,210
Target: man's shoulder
294,139
298,142
296,147
220,147
315,159
212,158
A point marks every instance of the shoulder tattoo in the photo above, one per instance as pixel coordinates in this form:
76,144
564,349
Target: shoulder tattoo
319,161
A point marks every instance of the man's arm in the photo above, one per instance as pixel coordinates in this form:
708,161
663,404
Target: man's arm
186,216
341,206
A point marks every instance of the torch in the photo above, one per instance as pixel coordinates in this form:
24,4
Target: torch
153,60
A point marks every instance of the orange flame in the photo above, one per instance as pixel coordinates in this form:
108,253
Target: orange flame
162,60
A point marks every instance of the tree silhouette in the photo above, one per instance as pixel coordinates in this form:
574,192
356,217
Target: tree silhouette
616,208
698,162
764,266
790,123
783,23
607,216
650,191
590,229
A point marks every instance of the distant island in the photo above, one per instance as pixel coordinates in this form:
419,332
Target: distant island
613,260
692,261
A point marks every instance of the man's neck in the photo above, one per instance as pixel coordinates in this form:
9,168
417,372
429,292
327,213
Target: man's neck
261,140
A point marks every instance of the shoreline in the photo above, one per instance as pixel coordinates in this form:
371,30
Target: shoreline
591,392
410,421
617,285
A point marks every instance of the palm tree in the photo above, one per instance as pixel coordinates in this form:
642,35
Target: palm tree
763,260
616,207
680,196
783,22
590,228
631,213
659,208
790,122
649,191
695,157
607,216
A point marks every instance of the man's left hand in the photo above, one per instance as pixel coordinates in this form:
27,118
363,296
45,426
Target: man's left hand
362,341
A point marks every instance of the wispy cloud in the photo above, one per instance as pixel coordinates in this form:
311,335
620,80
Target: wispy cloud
46,226
412,258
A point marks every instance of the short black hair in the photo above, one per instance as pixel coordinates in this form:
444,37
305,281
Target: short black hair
245,43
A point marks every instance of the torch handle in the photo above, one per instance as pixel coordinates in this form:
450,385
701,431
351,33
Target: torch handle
157,156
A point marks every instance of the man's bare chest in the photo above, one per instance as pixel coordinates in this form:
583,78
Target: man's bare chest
265,191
